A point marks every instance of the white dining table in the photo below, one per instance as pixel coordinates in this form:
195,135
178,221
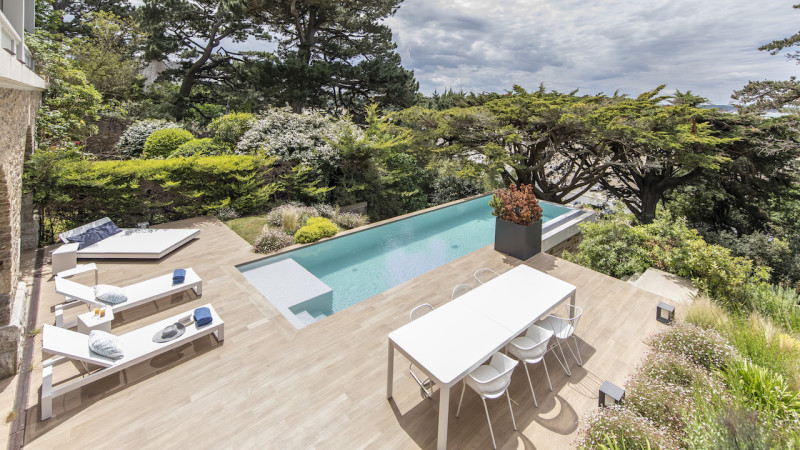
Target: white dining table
451,341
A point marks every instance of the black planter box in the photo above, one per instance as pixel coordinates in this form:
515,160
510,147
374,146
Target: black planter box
516,240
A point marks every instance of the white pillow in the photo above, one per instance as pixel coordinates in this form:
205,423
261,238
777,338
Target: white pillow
105,344
110,294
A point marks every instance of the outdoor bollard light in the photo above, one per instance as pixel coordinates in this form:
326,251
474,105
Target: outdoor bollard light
612,390
661,309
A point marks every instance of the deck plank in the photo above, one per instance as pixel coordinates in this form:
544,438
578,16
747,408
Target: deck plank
324,386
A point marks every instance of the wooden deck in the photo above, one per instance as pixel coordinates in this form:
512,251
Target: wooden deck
270,385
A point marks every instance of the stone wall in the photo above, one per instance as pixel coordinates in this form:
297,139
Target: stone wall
17,113
570,245
104,143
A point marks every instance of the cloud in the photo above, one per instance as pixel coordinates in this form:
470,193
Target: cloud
710,48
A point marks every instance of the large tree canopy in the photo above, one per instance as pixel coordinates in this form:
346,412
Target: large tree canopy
764,95
335,55
195,34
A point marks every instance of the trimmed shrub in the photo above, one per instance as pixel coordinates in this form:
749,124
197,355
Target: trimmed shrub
706,348
272,240
450,188
73,192
131,143
351,220
229,129
162,143
200,147
315,229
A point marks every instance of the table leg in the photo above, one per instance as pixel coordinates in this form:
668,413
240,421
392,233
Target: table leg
572,304
390,376
444,412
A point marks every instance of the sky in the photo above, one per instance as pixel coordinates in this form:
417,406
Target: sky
709,47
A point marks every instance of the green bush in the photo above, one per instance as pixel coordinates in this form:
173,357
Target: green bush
131,143
272,240
762,389
617,247
450,188
229,129
315,229
162,143
74,191
703,347
200,147
778,303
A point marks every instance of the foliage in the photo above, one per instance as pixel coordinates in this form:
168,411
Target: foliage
315,228
333,57
617,247
718,425
349,220
230,128
703,347
450,188
200,147
195,33
71,191
765,390
70,106
272,240
516,205
227,213
108,55
627,429
778,303
290,216
304,138
163,142
325,210
131,143
763,95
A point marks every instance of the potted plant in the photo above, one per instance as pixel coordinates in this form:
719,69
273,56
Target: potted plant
518,227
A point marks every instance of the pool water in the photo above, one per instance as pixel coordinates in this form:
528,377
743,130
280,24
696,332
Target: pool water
363,264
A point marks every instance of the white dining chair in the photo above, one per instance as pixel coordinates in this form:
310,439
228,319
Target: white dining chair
530,349
426,385
491,381
460,290
485,274
563,328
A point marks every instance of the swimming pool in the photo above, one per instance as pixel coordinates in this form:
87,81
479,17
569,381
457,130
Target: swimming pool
362,264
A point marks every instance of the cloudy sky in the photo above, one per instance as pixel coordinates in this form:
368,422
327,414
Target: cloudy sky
709,47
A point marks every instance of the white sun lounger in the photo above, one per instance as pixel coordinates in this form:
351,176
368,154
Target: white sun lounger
137,346
139,293
135,243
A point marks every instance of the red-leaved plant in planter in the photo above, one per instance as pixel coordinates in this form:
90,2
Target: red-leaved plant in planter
517,205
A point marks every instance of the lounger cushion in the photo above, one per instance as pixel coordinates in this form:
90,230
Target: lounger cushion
86,238
105,344
110,294
107,229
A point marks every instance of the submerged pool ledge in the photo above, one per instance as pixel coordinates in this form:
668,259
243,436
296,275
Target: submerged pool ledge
393,251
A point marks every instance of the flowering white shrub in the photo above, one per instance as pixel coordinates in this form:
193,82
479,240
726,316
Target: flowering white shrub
272,240
303,137
706,348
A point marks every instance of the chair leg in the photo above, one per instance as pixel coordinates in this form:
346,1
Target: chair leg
511,410
463,387
531,385
494,444
546,372
577,349
565,364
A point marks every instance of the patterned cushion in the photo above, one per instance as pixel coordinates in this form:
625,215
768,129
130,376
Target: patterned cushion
86,238
107,229
105,344
110,294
